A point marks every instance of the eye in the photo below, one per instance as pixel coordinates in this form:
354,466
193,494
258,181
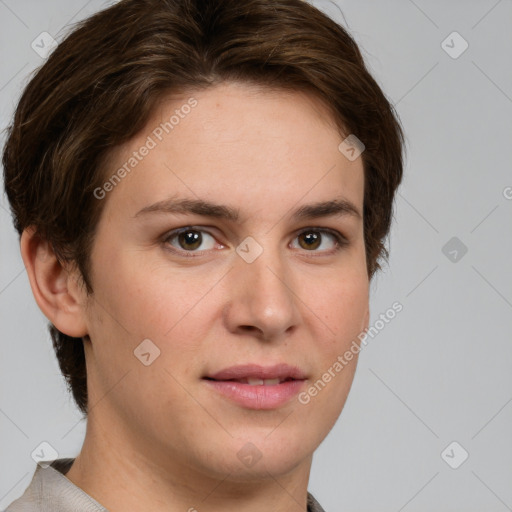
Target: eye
311,239
189,239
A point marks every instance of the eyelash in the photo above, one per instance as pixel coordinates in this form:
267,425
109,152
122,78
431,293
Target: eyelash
340,241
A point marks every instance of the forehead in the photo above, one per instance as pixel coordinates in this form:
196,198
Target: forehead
256,147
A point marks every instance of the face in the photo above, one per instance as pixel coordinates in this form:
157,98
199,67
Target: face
234,276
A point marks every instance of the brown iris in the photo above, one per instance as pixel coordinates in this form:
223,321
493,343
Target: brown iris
312,240
190,239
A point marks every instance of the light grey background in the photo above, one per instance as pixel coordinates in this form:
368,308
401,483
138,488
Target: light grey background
440,371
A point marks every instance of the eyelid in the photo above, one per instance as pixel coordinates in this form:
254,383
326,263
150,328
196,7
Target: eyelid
177,231
333,232
341,240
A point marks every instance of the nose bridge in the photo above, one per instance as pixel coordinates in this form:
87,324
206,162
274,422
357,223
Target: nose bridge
265,298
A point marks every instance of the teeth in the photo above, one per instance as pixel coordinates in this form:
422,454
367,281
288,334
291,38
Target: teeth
272,382
260,382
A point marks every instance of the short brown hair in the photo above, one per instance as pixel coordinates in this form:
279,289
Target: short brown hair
101,84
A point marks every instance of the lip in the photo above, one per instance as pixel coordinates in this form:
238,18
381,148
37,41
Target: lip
258,396
281,371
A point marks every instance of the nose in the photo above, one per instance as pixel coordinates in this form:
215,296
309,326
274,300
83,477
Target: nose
263,297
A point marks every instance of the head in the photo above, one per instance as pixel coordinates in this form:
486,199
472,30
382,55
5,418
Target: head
242,104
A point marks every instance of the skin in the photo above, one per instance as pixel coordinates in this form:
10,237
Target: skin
157,437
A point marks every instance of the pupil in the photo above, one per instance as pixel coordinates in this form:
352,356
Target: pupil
311,237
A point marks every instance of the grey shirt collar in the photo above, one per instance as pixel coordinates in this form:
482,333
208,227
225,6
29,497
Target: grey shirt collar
51,491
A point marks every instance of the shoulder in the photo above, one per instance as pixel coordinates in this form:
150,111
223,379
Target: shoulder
313,505
50,490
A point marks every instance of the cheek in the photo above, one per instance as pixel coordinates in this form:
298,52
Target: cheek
134,302
341,307
152,300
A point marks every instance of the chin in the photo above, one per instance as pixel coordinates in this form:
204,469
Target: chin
260,457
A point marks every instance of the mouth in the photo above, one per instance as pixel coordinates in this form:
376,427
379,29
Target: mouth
257,387
253,372
255,381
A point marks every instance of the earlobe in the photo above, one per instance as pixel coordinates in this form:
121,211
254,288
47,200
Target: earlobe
54,286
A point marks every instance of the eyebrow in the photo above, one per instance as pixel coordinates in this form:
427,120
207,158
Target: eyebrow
335,207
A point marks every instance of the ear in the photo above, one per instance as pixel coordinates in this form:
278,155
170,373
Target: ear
55,288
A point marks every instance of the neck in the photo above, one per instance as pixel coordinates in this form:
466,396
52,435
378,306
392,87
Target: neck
123,473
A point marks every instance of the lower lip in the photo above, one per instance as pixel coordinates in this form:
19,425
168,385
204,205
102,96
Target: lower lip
257,397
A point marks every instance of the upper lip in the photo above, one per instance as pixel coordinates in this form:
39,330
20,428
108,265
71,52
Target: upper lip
277,371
